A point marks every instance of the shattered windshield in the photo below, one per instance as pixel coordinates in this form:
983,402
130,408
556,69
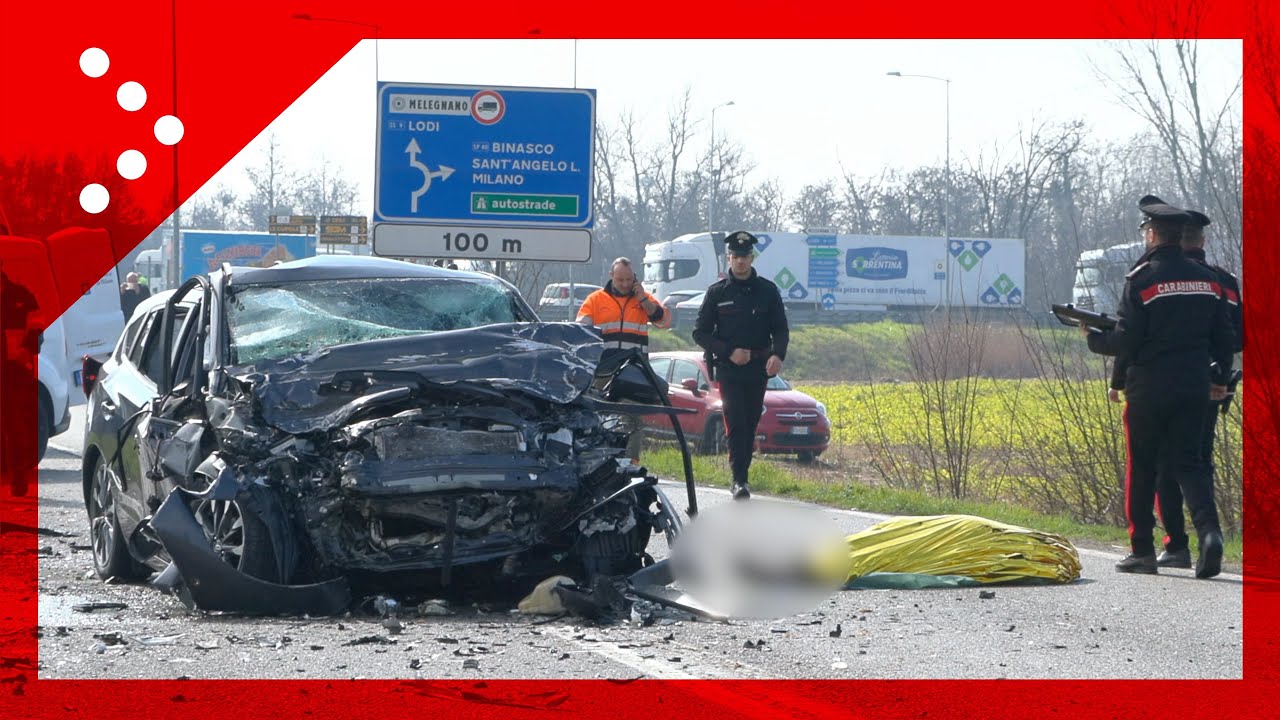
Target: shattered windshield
271,322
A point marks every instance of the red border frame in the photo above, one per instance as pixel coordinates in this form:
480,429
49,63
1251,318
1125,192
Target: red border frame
240,63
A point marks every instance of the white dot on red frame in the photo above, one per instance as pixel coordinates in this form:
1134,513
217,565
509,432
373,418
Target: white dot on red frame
169,130
131,96
94,198
131,164
94,62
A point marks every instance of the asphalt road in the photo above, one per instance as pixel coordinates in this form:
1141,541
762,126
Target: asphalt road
1106,625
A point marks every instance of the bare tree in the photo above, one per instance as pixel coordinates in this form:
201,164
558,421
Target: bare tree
669,180
274,184
1160,80
816,206
213,209
324,190
764,206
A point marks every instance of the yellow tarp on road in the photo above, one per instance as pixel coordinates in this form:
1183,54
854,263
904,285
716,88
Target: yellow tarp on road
966,546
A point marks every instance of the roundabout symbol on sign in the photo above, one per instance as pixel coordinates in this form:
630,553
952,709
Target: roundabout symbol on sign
488,107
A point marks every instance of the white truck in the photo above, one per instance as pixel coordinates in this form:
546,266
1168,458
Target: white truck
1100,276
833,274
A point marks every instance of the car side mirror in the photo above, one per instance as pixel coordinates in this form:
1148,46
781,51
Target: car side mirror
691,385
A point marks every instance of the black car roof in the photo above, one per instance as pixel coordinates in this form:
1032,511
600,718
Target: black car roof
344,267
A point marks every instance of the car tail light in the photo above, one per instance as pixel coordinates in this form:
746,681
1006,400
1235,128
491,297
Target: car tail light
89,369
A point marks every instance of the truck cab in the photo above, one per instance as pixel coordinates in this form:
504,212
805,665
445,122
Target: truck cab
1100,276
689,262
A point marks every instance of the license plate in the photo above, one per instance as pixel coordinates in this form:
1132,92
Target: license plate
800,430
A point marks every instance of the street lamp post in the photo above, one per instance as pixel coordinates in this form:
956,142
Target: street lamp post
715,172
946,200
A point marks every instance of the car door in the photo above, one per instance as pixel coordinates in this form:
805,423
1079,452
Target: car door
127,391
170,433
682,397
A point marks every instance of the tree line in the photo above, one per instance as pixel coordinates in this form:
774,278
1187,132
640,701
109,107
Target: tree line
1056,185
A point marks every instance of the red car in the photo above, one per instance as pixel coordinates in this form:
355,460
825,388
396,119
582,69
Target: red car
792,423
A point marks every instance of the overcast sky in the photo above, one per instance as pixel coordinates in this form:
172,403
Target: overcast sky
802,108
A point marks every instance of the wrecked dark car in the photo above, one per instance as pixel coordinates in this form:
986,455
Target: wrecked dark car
262,436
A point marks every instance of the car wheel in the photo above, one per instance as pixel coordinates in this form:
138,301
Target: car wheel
110,556
239,538
45,428
806,456
714,439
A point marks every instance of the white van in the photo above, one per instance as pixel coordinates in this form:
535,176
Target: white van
53,370
92,325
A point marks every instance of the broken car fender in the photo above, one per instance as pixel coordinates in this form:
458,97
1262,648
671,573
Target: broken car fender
213,585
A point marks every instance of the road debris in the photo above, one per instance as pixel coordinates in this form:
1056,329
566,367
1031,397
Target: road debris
99,607
160,639
371,640
110,638
437,607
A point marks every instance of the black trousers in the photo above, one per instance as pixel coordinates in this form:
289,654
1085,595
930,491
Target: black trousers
1164,432
1169,495
743,396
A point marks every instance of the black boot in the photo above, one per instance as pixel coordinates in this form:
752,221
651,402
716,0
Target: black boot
740,491
1143,564
1209,563
1175,558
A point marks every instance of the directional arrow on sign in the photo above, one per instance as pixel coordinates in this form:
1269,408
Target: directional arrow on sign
427,173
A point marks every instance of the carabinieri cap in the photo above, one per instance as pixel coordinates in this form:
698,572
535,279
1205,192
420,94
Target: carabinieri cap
1155,209
740,242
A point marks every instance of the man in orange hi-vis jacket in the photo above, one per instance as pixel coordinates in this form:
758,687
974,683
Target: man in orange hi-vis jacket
623,311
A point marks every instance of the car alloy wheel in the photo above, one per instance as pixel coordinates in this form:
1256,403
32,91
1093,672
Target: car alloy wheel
223,525
102,522
110,556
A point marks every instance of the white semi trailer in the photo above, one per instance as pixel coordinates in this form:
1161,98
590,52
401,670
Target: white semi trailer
836,273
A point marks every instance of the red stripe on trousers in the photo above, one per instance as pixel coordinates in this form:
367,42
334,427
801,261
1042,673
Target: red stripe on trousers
1128,473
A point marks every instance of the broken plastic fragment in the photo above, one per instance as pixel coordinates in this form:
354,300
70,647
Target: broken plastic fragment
99,606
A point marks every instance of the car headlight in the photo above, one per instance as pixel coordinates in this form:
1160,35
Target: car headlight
822,410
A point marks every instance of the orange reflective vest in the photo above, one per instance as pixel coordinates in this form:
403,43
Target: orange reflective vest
621,320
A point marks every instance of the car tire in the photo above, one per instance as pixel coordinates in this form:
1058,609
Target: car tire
110,553
238,537
714,439
45,427
806,456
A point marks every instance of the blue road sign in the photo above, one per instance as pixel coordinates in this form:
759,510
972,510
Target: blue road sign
484,156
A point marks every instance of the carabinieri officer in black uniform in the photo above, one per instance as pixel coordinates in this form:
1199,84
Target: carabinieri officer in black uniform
1172,322
742,326
1168,495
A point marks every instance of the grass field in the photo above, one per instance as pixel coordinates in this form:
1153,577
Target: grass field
1007,420
878,351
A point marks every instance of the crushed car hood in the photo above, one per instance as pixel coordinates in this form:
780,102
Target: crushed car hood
554,362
